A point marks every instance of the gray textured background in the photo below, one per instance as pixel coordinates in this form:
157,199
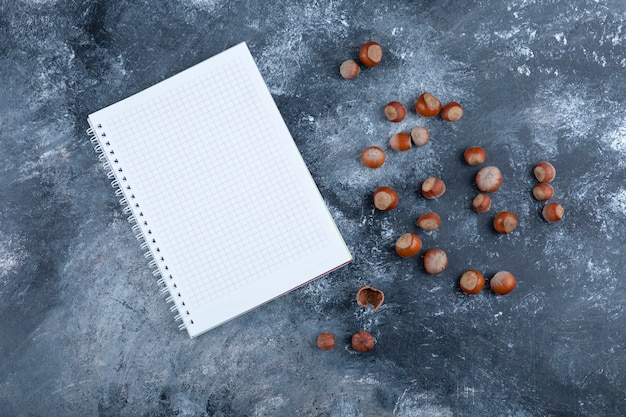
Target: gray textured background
84,330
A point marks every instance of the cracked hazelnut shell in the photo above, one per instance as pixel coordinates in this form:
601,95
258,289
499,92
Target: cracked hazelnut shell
369,295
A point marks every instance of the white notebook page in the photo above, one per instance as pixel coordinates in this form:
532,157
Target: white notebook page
219,189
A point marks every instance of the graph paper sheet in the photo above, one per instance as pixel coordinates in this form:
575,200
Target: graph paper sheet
217,190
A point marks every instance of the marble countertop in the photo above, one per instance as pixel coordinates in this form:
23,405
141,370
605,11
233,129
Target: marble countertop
85,331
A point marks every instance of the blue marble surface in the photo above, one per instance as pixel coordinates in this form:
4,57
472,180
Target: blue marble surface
84,330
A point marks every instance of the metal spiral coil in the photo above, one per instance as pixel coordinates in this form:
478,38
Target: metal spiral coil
147,245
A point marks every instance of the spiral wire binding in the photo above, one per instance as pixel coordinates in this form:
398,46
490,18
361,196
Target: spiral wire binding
100,143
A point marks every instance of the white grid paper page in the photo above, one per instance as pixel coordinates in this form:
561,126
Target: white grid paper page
221,189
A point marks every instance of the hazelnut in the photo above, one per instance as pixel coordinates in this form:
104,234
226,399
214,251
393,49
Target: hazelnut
435,261
420,135
427,105
370,54
362,341
488,179
452,111
395,112
385,198
543,191
429,221
505,222
409,244
553,212
474,155
502,283
481,203
349,69
472,282
433,188
400,142
373,157
369,295
326,341
544,171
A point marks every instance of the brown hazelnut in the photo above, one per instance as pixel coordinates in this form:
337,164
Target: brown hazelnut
481,203
543,191
363,341
385,198
505,222
409,244
488,179
474,155
395,112
326,341
427,105
373,157
368,295
502,283
472,282
452,111
370,54
544,171
420,135
349,69
433,188
429,221
553,212
400,142
435,261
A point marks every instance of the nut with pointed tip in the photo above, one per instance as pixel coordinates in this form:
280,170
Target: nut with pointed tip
326,341
427,105
505,222
502,283
395,111
429,221
373,157
474,155
400,142
543,191
544,171
385,198
369,295
553,212
481,203
363,341
409,244
472,282
349,69
433,188
370,54
435,261
452,112
420,135
488,179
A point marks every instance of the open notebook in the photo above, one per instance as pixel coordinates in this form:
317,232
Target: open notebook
217,191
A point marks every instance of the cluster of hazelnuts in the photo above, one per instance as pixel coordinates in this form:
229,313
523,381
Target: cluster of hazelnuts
361,341
370,55
488,180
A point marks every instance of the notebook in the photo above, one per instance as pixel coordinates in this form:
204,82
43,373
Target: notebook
217,191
